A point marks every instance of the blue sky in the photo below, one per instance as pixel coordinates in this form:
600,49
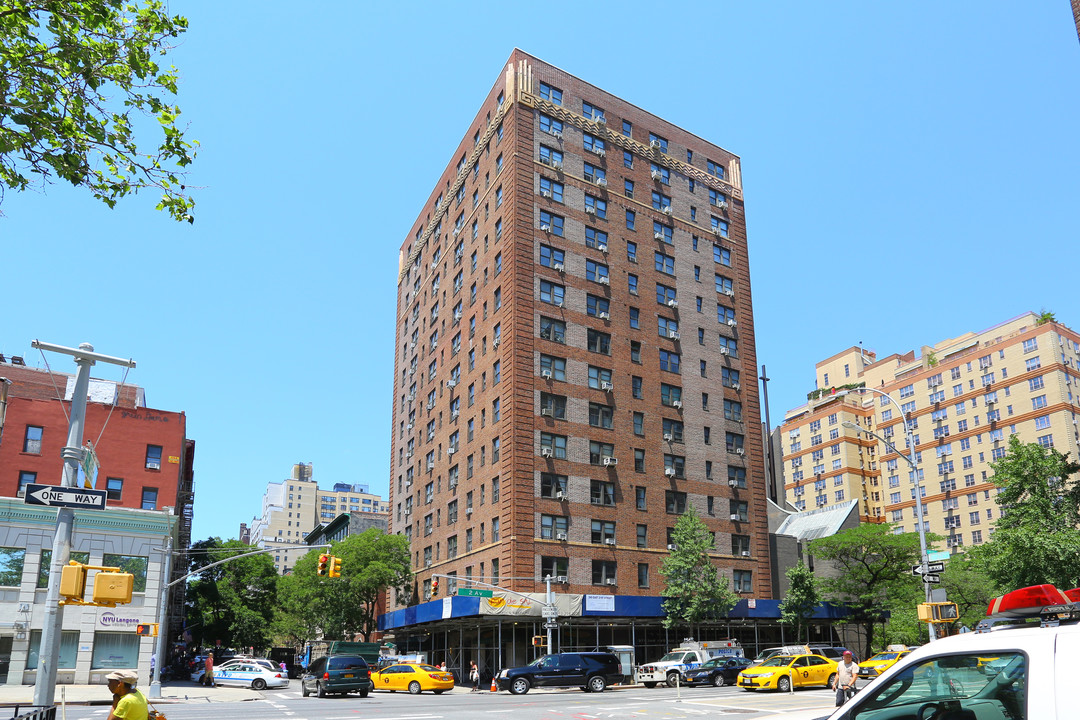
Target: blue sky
910,173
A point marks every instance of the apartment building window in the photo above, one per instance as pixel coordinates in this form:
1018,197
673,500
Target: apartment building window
550,222
553,567
663,233
639,497
628,188
722,256
664,263
733,411
631,218
552,525
601,492
739,508
153,457
551,125
715,169
596,206
729,377
733,441
639,423
675,502
555,366
26,477
670,394
32,440
660,201
639,459
1032,364
594,271
602,530
635,315
628,160
552,293
719,226
743,581
451,512
551,156
643,575
594,305
658,142
669,361
665,294
676,463
553,406
666,326
551,484
740,545
555,443
601,415
552,329
551,93
594,238
598,376
635,352
551,189
149,498
603,572
593,144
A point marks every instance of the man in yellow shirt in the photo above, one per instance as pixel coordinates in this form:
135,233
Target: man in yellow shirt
128,703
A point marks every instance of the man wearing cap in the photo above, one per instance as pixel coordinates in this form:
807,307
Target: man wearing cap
128,703
847,673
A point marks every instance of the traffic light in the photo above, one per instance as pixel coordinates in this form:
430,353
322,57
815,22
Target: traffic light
434,586
324,560
335,566
539,640
943,612
113,588
150,629
73,581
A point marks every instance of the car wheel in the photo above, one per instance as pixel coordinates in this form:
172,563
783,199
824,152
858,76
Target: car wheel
831,678
303,689
649,684
519,686
414,688
672,679
596,684
718,680
320,690
363,693
783,684
258,684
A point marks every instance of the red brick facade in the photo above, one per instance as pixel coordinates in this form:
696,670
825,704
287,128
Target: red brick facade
506,205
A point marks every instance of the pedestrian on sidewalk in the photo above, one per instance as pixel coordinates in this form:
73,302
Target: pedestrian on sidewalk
210,669
128,702
474,675
847,673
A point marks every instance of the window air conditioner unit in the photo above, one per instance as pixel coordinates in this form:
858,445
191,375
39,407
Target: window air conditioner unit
672,546
722,204
545,193
452,484
560,536
412,344
457,314
450,451
734,516
561,579
604,280
590,210
495,343
558,267
602,247
745,553
672,335
547,452
666,210
600,120
598,151
604,316
408,513
412,396
430,404
557,164
607,386
434,264
545,228
546,374
601,182
677,404
468,511
655,144
409,426
717,231
740,451
609,541
610,581
673,303
431,465
668,437
735,386
560,495
670,472
454,415
724,351
412,371
547,412
451,383
408,456
730,293
558,303
733,483
456,231
610,461
658,236
732,323
656,174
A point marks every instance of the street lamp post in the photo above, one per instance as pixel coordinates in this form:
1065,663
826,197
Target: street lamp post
920,521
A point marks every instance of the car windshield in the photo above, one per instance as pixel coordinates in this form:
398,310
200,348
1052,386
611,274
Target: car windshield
347,663
715,662
884,656
778,661
765,655
545,661
428,668
673,657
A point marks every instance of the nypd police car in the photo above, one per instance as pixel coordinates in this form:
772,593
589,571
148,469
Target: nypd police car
250,675
1032,633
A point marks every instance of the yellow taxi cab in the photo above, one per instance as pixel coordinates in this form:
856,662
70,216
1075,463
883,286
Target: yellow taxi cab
413,677
779,671
877,664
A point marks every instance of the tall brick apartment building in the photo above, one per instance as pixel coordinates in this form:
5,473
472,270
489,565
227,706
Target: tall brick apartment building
575,359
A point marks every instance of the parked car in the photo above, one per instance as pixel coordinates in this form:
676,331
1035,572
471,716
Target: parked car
249,674
414,677
337,674
877,664
199,673
591,671
718,671
780,671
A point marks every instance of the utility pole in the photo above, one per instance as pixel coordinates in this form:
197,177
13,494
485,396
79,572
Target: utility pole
163,628
85,357
770,475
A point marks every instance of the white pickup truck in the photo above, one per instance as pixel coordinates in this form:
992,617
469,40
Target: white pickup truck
671,669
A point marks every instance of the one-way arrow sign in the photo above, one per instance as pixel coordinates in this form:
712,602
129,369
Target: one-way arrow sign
54,496
932,567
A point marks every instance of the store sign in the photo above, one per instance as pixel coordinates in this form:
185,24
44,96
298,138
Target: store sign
115,621
600,603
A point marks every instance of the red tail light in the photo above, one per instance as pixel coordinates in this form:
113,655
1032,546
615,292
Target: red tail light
326,676
1073,594
1026,601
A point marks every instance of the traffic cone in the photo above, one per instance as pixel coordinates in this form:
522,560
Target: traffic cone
494,687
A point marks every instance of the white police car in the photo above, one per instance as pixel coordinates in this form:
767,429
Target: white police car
250,675
1032,636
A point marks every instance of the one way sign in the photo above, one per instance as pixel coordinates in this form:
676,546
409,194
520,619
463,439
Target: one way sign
932,567
70,497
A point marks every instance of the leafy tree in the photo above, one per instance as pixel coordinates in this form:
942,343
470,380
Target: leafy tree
76,77
233,602
1036,539
1045,316
335,608
695,591
966,583
801,600
872,565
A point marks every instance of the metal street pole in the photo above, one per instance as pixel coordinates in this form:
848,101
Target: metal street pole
920,521
163,629
49,652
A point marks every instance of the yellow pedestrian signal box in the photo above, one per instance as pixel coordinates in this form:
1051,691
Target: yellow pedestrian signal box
539,640
150,629
943,612
73,581
335,566
113,588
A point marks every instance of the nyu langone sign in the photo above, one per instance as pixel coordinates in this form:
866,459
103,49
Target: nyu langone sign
112,620
54,496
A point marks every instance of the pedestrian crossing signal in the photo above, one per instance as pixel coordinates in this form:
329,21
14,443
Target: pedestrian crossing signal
150,629
539,640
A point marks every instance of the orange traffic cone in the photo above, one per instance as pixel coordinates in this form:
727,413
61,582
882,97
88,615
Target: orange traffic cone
494,687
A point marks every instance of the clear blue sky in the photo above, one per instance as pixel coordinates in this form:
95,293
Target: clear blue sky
911,172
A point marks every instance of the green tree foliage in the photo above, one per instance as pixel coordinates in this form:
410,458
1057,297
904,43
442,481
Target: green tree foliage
1036,539
966,583
801,599
695,591
872,565
233,602
76,77
311,607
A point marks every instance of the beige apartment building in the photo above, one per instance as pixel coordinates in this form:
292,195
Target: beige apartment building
964,397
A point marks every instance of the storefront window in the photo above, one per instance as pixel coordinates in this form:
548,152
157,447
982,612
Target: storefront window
115,650
69,649
130,564
11,565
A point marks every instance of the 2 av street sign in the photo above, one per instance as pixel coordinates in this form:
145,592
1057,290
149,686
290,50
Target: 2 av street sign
69,497
475,592
932,567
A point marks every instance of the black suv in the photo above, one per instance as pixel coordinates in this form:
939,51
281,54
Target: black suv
591,671
339,674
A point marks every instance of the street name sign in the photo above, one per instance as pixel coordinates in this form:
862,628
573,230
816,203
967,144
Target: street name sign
475,592
931,567
549,612
69,497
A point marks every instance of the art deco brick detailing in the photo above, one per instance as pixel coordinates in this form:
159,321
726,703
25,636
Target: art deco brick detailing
575,359
964,397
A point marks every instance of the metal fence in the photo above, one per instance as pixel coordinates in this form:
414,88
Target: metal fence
32,712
